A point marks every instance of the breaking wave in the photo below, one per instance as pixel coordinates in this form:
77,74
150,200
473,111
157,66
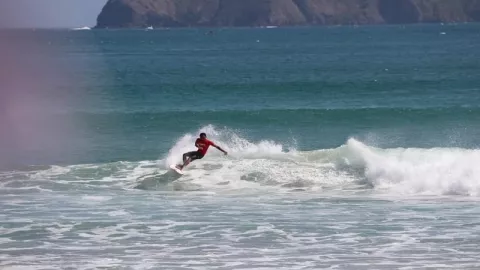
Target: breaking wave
270,166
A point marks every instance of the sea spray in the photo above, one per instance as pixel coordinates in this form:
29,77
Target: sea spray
436,171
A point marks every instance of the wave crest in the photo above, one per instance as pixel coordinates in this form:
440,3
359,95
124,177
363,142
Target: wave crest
436,171
267,166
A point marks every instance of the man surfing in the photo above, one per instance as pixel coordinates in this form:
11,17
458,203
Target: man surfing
202,144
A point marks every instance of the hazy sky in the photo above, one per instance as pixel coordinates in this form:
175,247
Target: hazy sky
52,13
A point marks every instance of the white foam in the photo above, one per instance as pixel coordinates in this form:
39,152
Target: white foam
58,230
96,198
437,171
102,263
236,146
53,171
118,213
251,165
266,164
82,28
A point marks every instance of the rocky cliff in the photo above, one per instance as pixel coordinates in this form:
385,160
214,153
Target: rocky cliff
185,13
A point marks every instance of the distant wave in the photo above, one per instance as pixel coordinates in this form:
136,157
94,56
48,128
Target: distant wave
353,111
82,28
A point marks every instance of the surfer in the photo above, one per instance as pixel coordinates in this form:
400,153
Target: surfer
202,144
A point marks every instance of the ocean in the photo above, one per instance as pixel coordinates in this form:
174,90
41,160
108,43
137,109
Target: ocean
350,147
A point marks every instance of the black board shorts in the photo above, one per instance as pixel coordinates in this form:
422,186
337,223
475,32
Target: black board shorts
194,155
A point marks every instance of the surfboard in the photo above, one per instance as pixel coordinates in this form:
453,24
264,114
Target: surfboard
174,167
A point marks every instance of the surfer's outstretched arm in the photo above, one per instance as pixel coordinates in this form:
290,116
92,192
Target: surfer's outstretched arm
219,148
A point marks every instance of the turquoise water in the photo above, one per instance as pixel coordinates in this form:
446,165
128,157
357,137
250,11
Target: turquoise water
349,148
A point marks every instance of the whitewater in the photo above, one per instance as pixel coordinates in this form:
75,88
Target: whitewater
354,165
265,205
267,166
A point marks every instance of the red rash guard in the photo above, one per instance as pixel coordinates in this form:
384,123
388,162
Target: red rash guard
203,145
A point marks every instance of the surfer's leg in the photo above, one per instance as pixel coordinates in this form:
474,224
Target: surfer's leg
187,158
194,156
185,164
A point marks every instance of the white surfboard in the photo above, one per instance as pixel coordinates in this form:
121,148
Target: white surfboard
174,167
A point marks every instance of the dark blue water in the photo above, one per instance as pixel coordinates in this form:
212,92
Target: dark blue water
130,94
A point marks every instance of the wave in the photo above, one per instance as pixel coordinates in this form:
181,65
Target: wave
206,110
267,166
436,171
81,28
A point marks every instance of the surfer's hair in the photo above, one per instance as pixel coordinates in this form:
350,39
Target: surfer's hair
203,134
